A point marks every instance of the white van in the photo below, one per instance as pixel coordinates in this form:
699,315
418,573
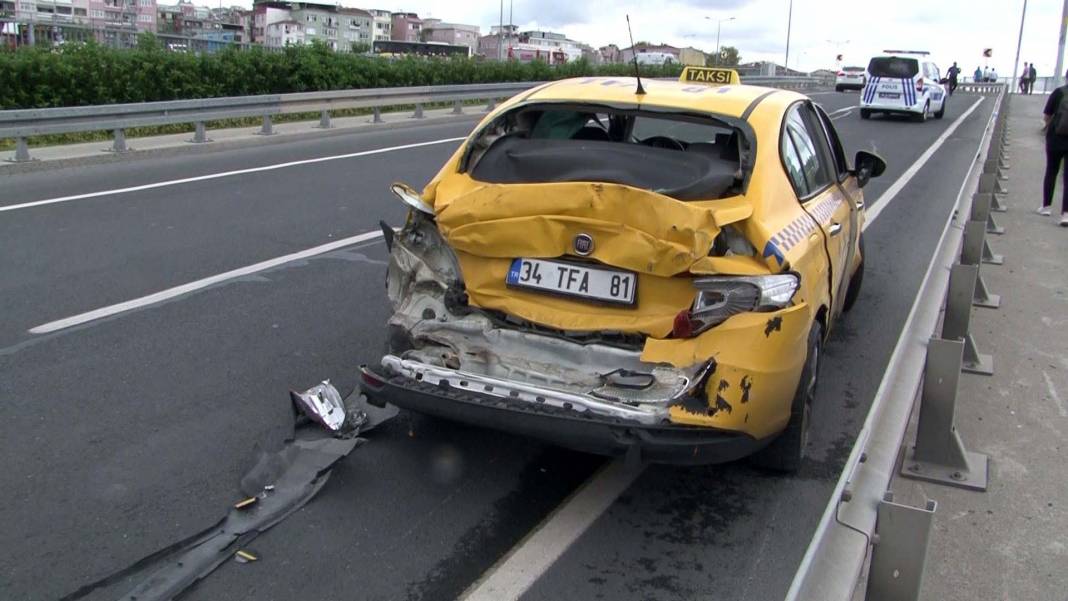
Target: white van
903,83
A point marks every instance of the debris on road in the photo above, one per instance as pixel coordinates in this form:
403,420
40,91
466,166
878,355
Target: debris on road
279,484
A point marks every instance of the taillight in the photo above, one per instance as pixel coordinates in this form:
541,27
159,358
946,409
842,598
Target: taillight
919,85
841,74
719,297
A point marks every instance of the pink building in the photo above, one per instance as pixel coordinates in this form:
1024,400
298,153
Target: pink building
405,27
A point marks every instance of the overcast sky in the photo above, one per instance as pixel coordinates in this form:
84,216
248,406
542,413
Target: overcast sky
952,30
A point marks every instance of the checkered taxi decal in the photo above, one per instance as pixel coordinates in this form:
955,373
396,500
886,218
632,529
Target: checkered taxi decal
797,230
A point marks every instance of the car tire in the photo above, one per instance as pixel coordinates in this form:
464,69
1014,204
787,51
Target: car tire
837,88
922,116
855,281
865,114
786,453
941,111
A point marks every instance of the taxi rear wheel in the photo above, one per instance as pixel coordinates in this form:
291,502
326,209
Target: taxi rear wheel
787,451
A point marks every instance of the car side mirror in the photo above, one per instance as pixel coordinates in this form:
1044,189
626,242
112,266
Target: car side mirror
866,166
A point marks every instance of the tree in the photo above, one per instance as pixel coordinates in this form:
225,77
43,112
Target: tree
361,47
728,57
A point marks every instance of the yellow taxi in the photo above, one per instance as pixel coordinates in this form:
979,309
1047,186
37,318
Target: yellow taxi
631,269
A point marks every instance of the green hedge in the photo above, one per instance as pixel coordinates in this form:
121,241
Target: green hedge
88,74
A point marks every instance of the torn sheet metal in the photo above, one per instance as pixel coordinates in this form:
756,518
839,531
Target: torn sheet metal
322,404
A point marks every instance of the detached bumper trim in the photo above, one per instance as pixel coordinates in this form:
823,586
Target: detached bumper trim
586,432
518,391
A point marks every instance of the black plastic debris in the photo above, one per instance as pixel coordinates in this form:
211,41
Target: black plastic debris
279,484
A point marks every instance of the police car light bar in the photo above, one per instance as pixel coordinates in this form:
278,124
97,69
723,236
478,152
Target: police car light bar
923,52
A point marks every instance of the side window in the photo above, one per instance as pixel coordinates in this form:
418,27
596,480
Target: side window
812,162
838,156
792,162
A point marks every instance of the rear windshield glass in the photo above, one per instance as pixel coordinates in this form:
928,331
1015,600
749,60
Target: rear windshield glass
892,66
684,157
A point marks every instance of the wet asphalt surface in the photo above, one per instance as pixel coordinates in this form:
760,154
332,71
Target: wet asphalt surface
126,434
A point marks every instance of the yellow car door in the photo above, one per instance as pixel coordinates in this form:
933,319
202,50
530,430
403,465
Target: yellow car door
815,179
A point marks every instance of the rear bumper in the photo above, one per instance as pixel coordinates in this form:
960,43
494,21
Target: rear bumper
588,432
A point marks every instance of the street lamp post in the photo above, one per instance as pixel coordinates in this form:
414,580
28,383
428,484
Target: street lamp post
719,26
789,24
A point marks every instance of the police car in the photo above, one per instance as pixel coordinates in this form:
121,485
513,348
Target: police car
903,82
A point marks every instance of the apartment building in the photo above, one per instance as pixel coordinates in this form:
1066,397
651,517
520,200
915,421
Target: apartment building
435,30
114,22
405,27
383,24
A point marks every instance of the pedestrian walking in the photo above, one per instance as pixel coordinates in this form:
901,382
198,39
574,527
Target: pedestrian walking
1023,78
993,75
978,76
953,72
1031,77
1056,119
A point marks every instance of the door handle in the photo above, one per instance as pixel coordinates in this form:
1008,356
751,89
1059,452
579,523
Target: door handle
835,229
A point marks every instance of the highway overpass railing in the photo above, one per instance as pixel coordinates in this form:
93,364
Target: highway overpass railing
862,526
24,123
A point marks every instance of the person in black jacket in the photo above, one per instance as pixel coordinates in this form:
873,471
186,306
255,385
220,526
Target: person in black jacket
1055,112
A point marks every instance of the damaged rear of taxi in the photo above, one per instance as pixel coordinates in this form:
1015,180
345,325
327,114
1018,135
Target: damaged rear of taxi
589,274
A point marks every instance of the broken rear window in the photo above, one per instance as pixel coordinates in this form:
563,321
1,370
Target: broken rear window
892,66
686,157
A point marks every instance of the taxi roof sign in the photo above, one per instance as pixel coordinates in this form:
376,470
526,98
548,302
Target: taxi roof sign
710,76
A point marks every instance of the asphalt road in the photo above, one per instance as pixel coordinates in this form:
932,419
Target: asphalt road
126,434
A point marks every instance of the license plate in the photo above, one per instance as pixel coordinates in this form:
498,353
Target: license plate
889,95
570,279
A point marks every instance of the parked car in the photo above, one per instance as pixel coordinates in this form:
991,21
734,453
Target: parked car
850,78
650,272
903,83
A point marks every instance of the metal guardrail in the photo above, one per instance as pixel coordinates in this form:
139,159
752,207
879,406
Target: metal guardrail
861,519
23,123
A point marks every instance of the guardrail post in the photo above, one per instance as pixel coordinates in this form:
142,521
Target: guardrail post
324,119
975,249
418,111
268,128
939,454
22,151
988,183
981,212
200,134
119,145
377,115
457,108
992,166
972,254
899,550
957,320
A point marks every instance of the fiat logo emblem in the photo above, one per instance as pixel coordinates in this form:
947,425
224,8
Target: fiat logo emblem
583,244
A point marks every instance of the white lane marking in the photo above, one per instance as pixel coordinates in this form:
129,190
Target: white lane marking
1053,395
516,572
845,114
170,293
199,178
880,203
841,110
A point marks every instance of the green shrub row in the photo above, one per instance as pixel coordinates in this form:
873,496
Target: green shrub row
86,74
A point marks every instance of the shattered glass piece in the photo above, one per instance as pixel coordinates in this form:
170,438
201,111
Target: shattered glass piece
322,404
